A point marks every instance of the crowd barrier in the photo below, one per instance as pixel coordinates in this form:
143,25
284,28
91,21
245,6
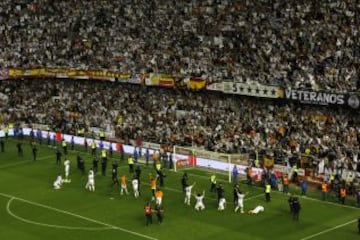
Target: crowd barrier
154,148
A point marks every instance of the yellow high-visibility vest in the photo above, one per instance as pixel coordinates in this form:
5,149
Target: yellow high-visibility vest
103,153
213,179
158,165
267,188
130,160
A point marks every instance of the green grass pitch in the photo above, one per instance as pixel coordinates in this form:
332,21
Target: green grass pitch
31,209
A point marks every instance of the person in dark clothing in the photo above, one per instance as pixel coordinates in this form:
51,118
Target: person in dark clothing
114,177
291,204
296,208
34,151
103,165
184,181
161,176
72,143
111,150
58,156
2,145
148,213
115,165
220,191
48,138
19,148
81,164
95,164
159,213
138,172
236,189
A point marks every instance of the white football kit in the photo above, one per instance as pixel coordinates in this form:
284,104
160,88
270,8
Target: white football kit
135,185
257,210
199,205
90,185
222,203
58,182
240,202
188,194
67,170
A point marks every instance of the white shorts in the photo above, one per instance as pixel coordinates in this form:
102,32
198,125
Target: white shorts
241,203
158,201
199,205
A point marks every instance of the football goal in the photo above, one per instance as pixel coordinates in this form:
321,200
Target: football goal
191,157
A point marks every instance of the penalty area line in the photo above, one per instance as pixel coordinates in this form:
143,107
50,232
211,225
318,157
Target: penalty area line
110,226
8,209
329,230
23,162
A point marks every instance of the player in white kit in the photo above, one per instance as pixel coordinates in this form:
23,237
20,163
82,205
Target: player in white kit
90,185
222,204
240,202
67,171
58,182
135,185
199,205
257,210
188,193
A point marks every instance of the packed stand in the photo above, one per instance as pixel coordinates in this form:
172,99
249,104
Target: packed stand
222,123
303,44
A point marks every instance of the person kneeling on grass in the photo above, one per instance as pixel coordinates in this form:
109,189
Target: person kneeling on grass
222,204
256,210
199,205
58,182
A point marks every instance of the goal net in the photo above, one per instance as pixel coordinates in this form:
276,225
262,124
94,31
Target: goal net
190,157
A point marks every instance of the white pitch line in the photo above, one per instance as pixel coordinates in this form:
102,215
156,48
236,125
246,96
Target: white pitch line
50,225
329,230
23,162
79,216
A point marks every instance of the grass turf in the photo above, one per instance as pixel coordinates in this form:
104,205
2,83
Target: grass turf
31,209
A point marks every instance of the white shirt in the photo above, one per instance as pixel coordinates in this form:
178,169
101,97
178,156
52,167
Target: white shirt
188,189
91,175
67,164
199,199
135,183
58,180
241,196
258,209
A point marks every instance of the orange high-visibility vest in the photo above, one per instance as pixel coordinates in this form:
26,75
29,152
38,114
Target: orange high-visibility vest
153,183
159,194
123,179
343,192
324,187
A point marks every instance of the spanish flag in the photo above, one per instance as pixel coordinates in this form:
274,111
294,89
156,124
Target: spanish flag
196,83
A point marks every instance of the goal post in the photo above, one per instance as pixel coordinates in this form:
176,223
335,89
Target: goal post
191,157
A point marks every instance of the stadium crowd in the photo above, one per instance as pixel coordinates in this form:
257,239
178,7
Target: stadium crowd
303,44
298,44
223,123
